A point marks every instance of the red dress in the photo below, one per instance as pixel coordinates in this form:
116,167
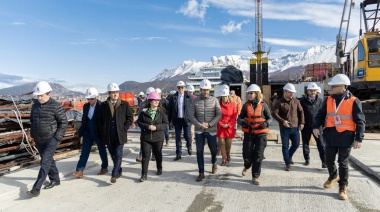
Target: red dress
229,115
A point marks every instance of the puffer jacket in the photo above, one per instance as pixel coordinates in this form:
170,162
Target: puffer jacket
205,110
47,120
160,121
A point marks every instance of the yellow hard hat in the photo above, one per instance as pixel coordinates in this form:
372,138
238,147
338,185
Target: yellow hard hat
275,94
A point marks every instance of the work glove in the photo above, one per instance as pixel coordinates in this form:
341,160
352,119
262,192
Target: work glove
244,124
264,125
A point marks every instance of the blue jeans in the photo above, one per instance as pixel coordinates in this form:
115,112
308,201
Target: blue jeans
116,152
166,131
294,135
178,126
212,145
88,141
48,166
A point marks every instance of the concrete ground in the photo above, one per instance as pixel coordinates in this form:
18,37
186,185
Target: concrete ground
301,189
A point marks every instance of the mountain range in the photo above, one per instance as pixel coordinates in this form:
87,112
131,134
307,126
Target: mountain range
167,78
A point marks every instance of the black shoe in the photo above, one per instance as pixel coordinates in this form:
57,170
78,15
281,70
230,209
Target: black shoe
118,175
34,192
52,184
113,179
143,178
307,162
190,152
178,157
324,165
159,172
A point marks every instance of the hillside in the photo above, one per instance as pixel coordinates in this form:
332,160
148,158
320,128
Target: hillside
58,90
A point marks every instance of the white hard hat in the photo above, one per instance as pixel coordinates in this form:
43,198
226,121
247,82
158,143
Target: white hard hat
290,87
319,90
150,89
172,92
190,88
180,84
41,88
205,84
253,87
312,86
158,91
91,93
141,94
340,79
113,87
224,92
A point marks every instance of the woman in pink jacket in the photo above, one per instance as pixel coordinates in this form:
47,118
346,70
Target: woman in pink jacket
226,125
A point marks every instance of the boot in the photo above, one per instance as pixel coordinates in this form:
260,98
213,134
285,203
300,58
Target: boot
200,177
102,171
307,162
256,180
224,161
219,152
343,192
330,182
139,159
214,168
167,143
324,166
288,168
228,157
244,172
78,174
153,157
291,161
143,178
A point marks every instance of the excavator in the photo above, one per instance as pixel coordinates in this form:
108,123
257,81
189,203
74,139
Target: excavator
362,64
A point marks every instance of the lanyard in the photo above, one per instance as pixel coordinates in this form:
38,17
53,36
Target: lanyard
337,108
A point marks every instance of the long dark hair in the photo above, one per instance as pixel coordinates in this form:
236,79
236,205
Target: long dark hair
147,105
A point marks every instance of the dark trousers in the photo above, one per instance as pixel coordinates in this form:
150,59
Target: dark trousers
294,135
200,140
253,152
306,135
87,142
178,126
48,166
147,148
116,152
166,132
343,156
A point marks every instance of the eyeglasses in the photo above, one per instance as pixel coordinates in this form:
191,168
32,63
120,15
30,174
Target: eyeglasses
180,87
90,99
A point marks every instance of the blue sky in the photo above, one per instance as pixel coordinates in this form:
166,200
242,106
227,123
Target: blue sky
82,43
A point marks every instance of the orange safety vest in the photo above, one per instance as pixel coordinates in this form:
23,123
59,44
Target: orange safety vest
255,118
344,113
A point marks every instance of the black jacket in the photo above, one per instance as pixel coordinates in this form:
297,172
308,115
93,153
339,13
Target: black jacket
47,120
124,119
173,107
346,138
95,117
160,121
310,110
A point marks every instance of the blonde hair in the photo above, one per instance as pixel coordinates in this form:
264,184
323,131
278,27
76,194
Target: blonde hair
259,96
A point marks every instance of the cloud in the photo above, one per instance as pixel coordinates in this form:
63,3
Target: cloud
18,23
282,52
193,9
232,27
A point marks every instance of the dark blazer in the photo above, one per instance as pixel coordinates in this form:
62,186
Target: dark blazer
173,107
124,119
160,121
47,121
95,117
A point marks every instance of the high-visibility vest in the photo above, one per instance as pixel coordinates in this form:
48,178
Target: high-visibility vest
344,113
254,118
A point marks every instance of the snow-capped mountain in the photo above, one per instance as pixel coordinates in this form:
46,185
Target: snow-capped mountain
316,54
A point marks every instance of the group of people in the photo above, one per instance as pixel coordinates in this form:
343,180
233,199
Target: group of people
214,119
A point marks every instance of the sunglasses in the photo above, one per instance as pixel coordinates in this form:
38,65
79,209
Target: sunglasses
91,99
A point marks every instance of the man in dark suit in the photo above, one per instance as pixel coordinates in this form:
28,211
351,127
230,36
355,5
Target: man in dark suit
179,105
88,130
114,121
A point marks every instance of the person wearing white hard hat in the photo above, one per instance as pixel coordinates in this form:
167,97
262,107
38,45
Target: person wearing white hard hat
190,90
342,116
255,119
311,104
114,121
140,98
226,126
165,104
141,107
153,121
179,105
289,114
205,114
48,124
88,132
